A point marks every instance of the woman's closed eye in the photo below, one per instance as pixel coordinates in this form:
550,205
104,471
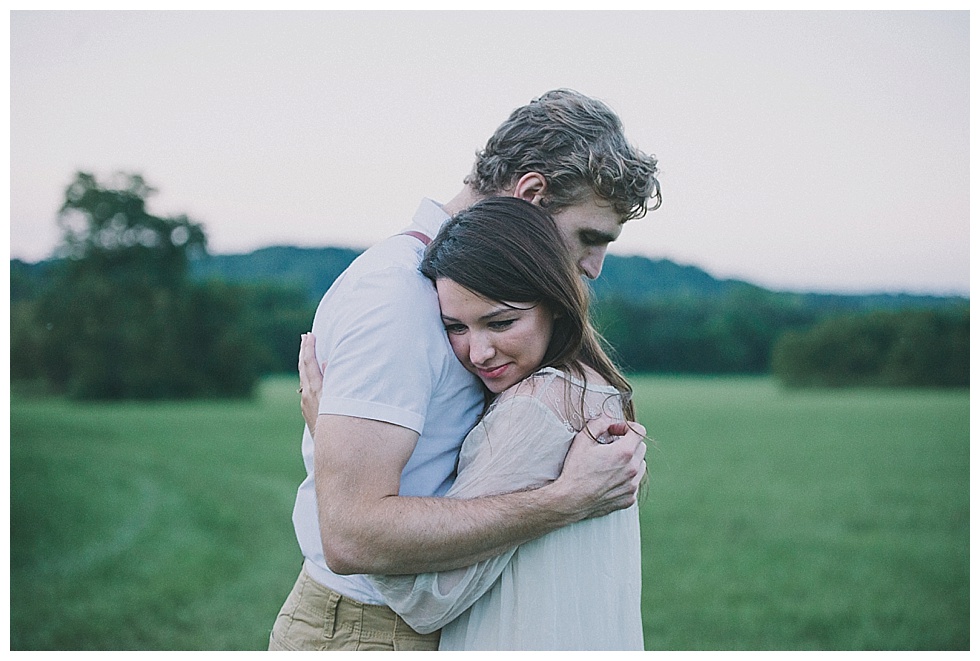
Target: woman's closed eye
501,324
455,329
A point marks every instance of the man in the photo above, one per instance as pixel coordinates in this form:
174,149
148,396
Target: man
396,403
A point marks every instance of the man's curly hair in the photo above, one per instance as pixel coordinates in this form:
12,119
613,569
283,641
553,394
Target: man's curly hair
577,143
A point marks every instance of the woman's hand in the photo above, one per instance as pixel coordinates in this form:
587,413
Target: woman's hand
310,380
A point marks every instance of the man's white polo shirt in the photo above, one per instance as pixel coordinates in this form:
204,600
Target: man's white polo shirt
379,330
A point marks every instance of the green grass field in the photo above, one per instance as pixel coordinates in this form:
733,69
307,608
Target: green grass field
833,520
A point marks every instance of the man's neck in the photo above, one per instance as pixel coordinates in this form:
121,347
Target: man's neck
463,200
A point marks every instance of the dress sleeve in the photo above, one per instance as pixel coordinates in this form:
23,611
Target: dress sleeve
519,444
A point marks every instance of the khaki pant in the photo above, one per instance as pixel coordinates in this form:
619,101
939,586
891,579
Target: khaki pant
315,617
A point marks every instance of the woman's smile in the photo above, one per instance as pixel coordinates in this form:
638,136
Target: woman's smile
490,372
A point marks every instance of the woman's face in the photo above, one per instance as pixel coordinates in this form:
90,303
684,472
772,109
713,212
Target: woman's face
500,343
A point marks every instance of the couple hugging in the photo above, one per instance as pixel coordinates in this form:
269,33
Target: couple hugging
472,455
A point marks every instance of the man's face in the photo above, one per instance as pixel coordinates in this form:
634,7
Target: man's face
588,228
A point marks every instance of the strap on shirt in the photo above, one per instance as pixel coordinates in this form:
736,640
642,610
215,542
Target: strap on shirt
418,235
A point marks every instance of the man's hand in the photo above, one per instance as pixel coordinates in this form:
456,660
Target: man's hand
599,478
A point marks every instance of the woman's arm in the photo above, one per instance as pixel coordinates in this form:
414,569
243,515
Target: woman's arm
310,380
519,445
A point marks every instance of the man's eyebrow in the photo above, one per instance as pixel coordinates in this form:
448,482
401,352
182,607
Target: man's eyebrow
595,236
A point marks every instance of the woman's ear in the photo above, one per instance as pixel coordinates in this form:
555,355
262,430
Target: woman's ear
531,187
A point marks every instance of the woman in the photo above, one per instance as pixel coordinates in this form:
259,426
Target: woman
516,315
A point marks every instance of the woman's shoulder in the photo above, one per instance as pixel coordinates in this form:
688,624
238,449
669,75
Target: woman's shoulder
573,397
586,379
532,387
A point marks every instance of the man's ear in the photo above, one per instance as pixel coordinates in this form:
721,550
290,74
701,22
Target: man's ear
531,187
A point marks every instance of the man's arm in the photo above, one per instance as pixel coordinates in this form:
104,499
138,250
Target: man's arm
366,527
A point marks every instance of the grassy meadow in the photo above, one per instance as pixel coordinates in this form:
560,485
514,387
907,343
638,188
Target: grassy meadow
774,519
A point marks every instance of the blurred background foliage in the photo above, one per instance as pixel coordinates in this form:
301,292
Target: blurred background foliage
119,316
133,306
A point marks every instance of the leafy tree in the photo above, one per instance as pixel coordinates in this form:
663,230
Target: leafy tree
122,318
26,349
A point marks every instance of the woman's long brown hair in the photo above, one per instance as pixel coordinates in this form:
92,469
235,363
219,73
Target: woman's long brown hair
508,250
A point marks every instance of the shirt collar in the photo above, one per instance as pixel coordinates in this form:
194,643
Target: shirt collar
428,218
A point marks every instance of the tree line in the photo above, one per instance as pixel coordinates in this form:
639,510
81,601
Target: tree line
749,332
880,348
135,308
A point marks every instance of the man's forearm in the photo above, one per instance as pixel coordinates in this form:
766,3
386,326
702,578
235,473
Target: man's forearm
366,527
410,535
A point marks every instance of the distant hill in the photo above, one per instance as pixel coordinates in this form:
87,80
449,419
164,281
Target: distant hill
634,278
311,269
631,277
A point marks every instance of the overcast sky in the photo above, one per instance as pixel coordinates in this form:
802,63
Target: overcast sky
799,150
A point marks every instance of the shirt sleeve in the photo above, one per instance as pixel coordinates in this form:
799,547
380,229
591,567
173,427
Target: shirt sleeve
384,349
520,444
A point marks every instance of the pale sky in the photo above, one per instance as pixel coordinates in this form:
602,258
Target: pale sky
817,151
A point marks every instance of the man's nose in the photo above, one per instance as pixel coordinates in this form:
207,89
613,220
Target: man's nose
591,263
